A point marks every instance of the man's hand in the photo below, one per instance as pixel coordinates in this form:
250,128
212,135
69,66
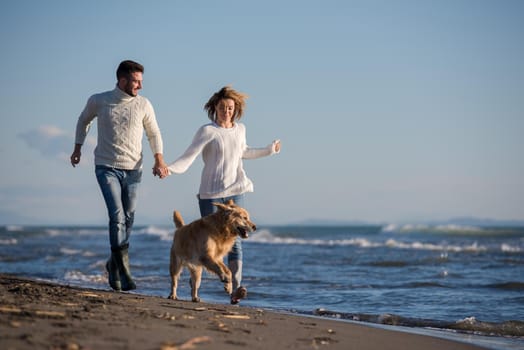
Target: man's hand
75,157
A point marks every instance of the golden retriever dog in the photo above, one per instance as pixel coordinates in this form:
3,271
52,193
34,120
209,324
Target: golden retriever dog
204,243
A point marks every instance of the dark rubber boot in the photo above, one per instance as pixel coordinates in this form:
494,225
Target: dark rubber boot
114,274
122,262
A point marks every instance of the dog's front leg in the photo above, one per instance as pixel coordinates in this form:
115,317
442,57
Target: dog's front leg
228,282
221,270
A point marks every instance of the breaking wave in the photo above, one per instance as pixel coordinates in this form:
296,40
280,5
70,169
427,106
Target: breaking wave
163,234
76,277
9,241
451,229
265,236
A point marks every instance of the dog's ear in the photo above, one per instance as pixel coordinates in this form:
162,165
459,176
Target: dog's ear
230,202
221,206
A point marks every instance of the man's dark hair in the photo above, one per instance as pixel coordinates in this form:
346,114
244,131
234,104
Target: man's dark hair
125,68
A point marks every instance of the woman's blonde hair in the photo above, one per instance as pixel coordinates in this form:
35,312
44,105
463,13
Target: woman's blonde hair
227,92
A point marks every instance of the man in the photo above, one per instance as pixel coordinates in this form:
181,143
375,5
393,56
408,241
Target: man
123,116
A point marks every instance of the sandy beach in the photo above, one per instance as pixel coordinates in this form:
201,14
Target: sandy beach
42,315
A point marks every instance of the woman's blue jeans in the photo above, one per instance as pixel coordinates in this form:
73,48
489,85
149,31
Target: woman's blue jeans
207,207
120,190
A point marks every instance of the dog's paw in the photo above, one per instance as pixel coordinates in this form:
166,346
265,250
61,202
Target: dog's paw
195,300
228,287
172,297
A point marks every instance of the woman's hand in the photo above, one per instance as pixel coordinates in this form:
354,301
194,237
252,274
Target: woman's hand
276,146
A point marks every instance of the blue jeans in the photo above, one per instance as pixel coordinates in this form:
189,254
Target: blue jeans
207,207
120,190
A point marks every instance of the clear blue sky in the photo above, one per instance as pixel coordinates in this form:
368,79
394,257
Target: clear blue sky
388,111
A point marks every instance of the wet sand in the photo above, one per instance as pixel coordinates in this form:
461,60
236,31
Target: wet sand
42,315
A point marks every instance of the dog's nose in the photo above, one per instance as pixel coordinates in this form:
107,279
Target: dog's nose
254,227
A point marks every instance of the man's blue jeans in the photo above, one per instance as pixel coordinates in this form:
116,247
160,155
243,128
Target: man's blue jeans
207,207
120,190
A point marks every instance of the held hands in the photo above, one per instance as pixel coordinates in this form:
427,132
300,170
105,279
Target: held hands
160,171
160,167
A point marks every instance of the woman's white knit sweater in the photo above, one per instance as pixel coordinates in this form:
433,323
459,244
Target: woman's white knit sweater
222,151
122,119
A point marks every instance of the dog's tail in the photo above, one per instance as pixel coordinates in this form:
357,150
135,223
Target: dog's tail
177,218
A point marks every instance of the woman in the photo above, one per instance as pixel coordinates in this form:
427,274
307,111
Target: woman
223,146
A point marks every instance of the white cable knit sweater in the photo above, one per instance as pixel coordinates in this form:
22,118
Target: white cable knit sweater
122,120
222,151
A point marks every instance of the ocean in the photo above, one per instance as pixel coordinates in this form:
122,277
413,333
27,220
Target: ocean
456,280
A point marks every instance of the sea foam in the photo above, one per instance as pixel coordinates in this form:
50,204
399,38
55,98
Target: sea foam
265,236
11,241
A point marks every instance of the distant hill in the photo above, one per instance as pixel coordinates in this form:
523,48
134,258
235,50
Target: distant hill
468,221
327,222
461,221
